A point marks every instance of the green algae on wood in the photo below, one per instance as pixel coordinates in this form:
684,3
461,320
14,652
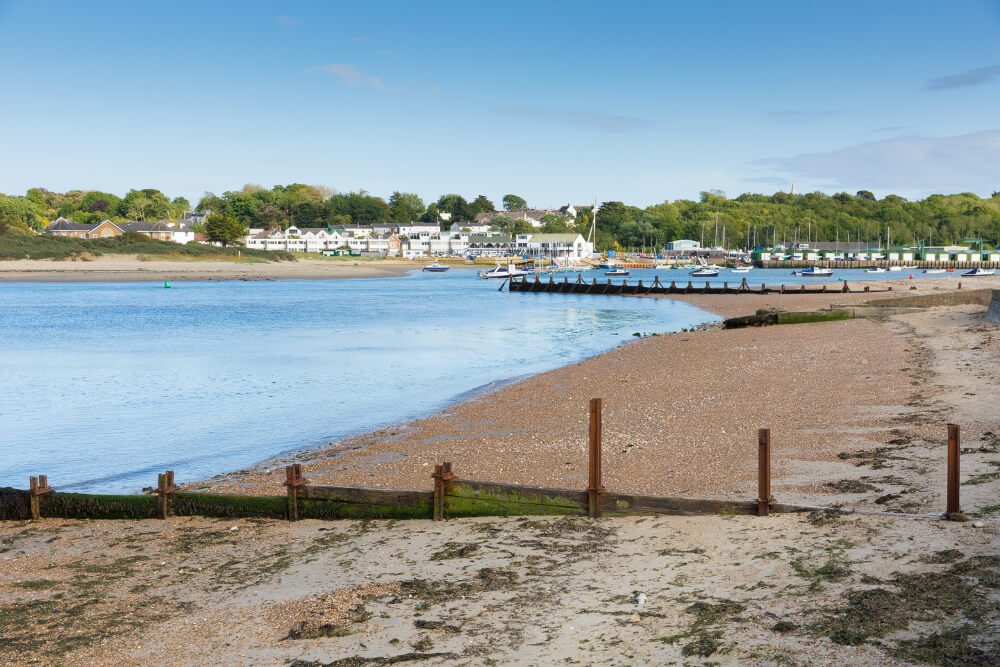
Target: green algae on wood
464,499
97,506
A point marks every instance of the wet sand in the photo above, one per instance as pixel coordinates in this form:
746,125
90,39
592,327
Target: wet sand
130,268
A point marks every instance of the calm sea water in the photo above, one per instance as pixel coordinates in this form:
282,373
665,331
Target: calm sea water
106,384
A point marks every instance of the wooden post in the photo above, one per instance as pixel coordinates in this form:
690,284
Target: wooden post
594,487
764,498
954,450
293,481
165,487
37,487
438,475
36,512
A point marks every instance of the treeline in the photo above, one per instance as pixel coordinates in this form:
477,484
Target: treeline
755,219
38,207
745,221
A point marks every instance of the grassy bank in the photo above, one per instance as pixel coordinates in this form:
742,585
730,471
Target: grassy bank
14,246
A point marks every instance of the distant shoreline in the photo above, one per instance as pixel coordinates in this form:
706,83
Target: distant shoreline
131,268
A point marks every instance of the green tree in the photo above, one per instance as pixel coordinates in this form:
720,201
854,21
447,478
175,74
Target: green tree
514,203
554,224
432,214
482,204
457,206
406,207
148,204
224,228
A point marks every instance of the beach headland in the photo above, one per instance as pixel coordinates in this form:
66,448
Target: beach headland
132,268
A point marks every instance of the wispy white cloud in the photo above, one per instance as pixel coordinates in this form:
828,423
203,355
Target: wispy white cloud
352,75
288,21
595,121
966,162
972,77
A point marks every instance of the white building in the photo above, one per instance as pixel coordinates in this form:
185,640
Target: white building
415,239
556,246
683,244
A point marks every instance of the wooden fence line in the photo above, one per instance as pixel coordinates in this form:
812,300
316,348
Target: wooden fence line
450,497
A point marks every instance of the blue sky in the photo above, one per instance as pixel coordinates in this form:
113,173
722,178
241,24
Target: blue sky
556,101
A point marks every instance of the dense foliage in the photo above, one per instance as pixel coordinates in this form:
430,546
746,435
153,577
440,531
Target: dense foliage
745,221
753,219
39,206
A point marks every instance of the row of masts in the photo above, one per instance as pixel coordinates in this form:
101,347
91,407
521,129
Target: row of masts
752,239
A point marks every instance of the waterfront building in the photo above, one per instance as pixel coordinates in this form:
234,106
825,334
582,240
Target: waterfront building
554,246
489,245
683,244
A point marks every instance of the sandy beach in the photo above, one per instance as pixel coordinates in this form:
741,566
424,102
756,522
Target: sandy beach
130,268
857,410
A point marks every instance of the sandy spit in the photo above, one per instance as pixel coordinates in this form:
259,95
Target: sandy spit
130,268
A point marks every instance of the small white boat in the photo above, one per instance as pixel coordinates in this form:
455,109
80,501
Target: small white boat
436,268
814,272
705,273
509,271
616,272
935,270
662,267
877,269
741,269
895,268
978,272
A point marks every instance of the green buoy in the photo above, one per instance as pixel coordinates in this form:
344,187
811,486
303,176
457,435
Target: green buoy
166,284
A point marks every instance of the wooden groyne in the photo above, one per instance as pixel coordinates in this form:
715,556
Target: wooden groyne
449,497
579,286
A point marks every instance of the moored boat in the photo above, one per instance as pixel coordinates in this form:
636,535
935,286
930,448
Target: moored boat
979,272
436,268
616,272
935,270
509,271
877,269
741,269
895,268
705,273
814,272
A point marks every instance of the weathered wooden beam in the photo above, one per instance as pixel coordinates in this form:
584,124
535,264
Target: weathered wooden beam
594,486
470,498
764,499
363,495
622,504
954,475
